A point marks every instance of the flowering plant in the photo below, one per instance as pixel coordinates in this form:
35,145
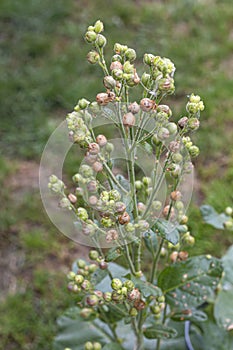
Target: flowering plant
129,205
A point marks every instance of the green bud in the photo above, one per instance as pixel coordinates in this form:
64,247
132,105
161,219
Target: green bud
129,227
88,346
97,346
145,79
193,123
172,128
130,54
179,205
101,40
79,279
90,36
155,140
77,178
177,158
86,171
194,151
161,299
146,181
116,284
107,222
86,313
107,296
117,74
118,48
128,68
82,213
109,82
155,309
114,195
163,134
116,58
71,275
228,224
86,285
117,297
81,263
109,147
93,255
94,107
229,211
92,300
194,98
156,205
148,59
138,185
129,285
93,57
53,179
65,203
133,312
98,27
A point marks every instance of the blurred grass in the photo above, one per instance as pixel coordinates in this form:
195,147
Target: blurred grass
43,72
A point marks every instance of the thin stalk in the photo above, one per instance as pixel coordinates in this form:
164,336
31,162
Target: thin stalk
112,328
113,178
155,261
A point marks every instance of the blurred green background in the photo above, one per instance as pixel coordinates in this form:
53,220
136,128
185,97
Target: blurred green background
43,72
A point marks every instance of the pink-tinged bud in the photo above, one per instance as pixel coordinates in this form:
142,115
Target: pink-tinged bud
176,195
183,255
90,158
112,235
92,300
101,140
103,265
101,41
109,82
102,98
124,218
139,305
167,210
134,108
174,146
163,134
120,207
93,200
116,65
93,148
92,186
129,119
72,198
147,105
182,122
193,123
141,207
97,167
134,295
166,109
93,57
174,256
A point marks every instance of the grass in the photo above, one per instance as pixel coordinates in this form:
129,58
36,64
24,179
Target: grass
43,73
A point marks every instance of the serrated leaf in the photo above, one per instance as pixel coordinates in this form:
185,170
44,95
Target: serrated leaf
112,346
75,332
167,230
223,310
188,284
159,331
212,218
151,242
113,254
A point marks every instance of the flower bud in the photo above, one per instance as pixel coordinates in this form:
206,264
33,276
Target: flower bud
92,300
129,285
83,103
174,256
166,85
100,40
146,180
163,134
90,36
116,58
183,220
133,312
128,68
92,186
175,195
102,98
129,119
143,225
97,167
117,297
65,204
116,284
228,225
109,82
97,346
116,65
130,54
82,213
172,128
134,294
101,140
124,218
120,207
86,313
88,346
229,211
193,123
114,195
146,79
93,148
177,158
79,279
72,198
71,275
93,255
183,255
138,185
98,27
182,122
148,59
166,109
93,57
103,265
166,211
194,151
107,222
130,228
156,205
134,108
146,104
141,207
86,171
112,235
155,309
107,296
194,98
174,146
86,285
155,140
92,200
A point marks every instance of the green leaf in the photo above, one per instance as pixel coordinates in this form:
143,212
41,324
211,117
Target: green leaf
190,315
212,218
75,332
146,288
98,276
167,230
113,254
151,242
112,346
188,284
223,310
158,331
114,313
147,147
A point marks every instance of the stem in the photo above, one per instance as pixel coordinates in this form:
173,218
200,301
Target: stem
155,261
113,178
112,328
127,253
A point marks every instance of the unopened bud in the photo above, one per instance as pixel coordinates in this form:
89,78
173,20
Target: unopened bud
98,27
109,82
90,36
93,148
130,54
129,119
148,59
72,198
134,108
174,256
176,195
102,98
100,40
97,167
93,57
182,122
147,105
124,218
